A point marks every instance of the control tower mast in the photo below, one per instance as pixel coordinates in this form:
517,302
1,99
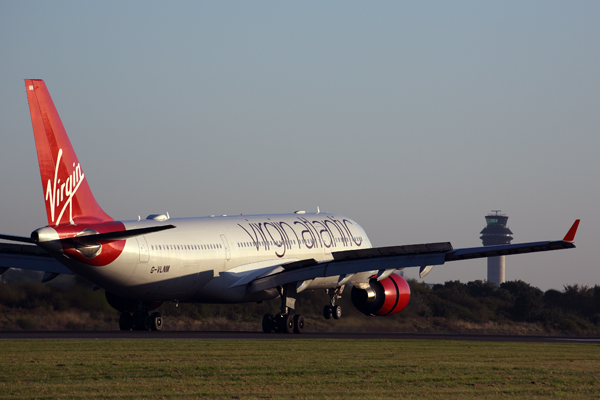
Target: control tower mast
496,232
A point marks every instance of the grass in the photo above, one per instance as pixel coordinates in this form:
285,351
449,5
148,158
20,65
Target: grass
296,368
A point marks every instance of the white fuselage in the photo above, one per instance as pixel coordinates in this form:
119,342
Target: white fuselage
203,258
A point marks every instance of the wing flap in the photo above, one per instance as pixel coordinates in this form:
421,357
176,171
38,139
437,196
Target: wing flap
332,268
376,252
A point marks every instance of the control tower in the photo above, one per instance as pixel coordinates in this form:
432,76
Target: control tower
496,232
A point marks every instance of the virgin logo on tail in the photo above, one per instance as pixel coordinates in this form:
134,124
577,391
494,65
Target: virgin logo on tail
60,194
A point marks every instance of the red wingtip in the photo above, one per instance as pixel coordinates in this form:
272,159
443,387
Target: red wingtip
570,236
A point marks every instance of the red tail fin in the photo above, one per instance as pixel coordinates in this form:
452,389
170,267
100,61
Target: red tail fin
69,199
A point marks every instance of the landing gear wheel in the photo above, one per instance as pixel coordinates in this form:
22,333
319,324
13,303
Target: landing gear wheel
337,312
276,323
327,312
285,323
267,323
156,323
298,323
141,321
125,321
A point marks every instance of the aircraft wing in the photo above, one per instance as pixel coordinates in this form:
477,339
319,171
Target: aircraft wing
389,259
30,257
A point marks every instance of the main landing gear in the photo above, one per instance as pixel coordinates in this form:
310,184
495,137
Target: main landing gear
284,322
331,310
140,321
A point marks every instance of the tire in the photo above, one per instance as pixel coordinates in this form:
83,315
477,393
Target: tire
298,323
145,322
337,312
125,321
327,312
156,323
267,323
141,321
135,321
286,323
276,323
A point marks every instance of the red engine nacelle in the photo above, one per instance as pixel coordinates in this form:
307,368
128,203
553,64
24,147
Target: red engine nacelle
386,297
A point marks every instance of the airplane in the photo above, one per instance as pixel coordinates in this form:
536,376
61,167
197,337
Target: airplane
214,259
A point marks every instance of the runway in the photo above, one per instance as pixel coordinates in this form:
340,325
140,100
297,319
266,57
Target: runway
5,335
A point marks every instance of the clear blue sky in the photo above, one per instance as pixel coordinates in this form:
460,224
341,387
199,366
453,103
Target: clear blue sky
413,118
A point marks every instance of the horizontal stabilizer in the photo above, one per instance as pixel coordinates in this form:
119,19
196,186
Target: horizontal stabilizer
108,236
23,239
29,257
126,234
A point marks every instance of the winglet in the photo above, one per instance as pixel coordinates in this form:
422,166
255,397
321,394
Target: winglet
570,236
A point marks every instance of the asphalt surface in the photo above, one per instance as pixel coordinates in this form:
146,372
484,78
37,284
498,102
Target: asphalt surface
269,336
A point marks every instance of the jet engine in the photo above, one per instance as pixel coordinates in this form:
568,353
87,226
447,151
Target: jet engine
386,297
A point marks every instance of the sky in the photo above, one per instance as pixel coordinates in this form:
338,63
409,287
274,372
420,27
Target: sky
415,119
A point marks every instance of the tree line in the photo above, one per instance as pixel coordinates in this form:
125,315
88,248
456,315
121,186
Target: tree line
574,309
